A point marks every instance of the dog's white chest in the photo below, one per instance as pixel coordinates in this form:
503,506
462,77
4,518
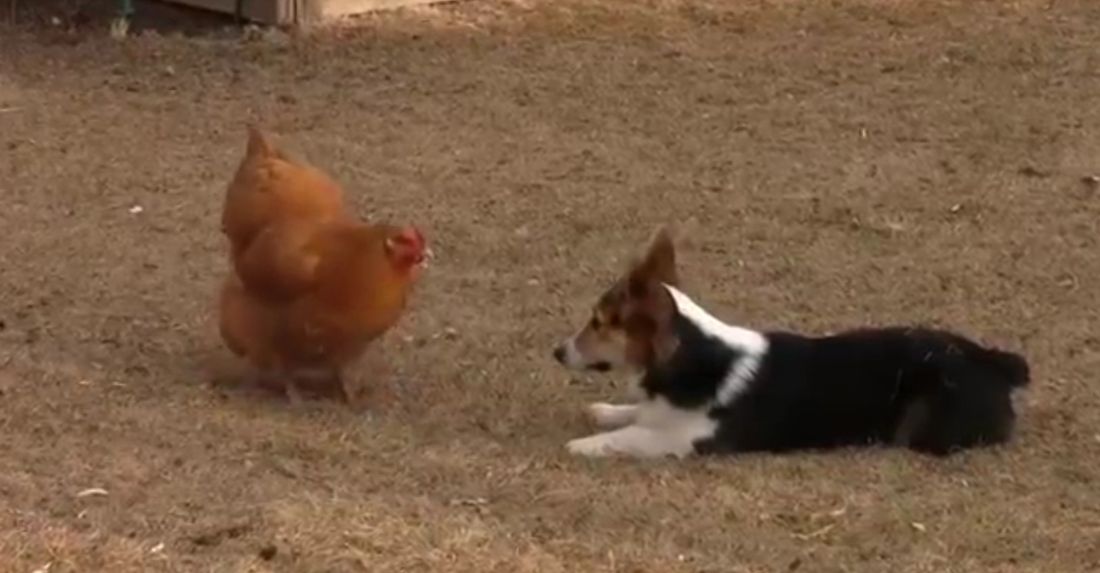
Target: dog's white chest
692,425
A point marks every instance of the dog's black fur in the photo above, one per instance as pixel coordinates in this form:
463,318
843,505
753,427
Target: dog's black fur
930,390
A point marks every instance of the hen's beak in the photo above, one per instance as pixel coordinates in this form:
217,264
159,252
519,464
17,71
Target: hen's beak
429,254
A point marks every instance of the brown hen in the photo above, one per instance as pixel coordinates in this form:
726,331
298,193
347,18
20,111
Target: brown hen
312,287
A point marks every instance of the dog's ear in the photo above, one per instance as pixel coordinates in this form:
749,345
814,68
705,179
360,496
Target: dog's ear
657,267
665,345
661,257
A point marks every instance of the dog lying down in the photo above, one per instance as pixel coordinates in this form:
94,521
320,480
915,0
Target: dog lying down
711,387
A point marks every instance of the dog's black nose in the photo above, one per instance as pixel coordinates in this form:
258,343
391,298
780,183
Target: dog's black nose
559,354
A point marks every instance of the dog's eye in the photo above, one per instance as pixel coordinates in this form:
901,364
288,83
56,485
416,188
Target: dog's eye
594,323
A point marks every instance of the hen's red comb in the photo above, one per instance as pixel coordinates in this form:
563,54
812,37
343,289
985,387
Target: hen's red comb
412,235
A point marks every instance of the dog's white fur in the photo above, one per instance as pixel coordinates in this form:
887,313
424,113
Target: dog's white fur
751,344
654,429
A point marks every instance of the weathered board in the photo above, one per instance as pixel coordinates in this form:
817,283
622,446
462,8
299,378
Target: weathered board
321,10
291,12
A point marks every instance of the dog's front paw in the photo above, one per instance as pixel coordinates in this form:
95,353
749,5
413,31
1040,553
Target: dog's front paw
611,416
590,447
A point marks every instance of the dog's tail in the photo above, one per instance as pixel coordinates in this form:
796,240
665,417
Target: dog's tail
1010,367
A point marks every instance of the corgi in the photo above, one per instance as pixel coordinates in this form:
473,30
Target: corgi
714,388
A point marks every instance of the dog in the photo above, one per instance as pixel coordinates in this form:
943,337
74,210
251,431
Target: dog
714,388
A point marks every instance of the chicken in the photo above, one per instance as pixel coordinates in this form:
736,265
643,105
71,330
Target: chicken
269,186
311,286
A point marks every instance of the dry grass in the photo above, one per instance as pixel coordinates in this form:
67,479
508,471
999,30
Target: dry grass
835,164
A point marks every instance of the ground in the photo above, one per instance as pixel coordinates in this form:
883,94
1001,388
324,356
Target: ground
826,164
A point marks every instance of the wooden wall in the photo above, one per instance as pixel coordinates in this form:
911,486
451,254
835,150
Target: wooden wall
292,12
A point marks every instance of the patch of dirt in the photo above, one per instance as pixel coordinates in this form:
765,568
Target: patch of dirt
833,164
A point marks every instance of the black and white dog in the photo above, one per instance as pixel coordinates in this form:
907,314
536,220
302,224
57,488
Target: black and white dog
711,387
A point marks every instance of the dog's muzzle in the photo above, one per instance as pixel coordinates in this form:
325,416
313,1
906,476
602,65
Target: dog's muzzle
566,355
559,354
